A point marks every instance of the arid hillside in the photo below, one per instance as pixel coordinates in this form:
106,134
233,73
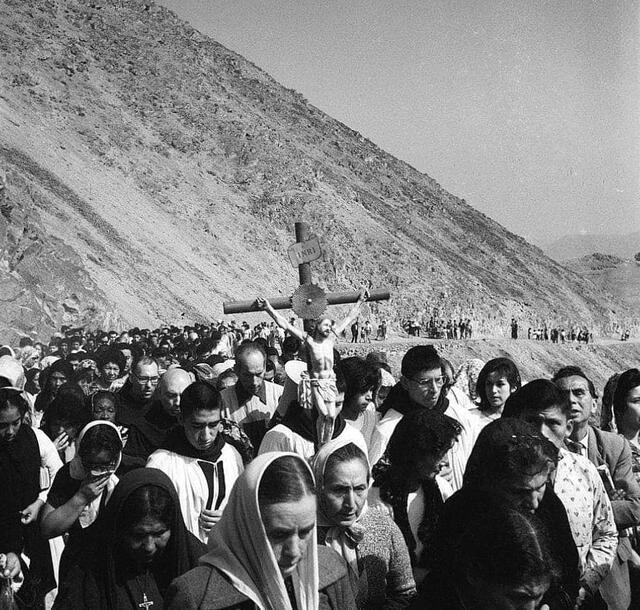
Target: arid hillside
152,174
617,276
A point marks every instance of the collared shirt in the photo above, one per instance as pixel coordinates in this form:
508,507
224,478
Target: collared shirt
251,412
579,487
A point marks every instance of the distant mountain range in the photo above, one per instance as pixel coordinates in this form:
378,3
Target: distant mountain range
574,246
150,174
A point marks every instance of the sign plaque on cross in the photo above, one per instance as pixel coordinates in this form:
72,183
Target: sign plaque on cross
309,301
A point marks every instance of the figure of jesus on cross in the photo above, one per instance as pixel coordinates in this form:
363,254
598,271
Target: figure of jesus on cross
317,389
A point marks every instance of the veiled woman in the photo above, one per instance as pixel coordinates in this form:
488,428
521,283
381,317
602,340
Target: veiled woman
136,547
263,552
368,540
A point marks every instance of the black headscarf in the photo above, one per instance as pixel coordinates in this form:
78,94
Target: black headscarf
110,567
19,485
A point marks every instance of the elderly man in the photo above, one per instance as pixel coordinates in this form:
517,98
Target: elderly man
148,433
611,454
252,401
135,395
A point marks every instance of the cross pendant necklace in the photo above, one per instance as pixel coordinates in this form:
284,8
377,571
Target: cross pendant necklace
145,602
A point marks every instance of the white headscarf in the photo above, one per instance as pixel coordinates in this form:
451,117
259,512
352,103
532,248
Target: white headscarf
342,540
78,472
239,547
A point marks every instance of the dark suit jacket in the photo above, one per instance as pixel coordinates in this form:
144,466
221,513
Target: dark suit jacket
614,451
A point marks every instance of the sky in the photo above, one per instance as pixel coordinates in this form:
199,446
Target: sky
528,109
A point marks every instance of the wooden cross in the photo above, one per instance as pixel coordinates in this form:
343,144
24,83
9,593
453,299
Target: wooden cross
305,250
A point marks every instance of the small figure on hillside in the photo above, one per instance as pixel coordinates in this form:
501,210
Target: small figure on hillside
318,389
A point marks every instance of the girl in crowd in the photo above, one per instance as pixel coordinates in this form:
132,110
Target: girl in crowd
411,484
82,487
263,552
513,464
64,418
489,558
497,380
136,547
369,541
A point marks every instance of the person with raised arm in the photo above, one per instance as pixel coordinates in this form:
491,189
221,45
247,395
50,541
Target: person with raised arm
318,388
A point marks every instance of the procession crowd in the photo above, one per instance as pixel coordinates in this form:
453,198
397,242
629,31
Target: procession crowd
180,468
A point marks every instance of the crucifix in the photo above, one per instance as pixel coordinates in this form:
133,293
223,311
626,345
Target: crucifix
317,390
145,602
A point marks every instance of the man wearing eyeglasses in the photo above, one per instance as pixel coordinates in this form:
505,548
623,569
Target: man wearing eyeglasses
135,395
423,385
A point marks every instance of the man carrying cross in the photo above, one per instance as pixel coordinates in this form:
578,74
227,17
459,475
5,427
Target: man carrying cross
317,389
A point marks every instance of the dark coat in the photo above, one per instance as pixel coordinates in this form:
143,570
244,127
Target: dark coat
205,588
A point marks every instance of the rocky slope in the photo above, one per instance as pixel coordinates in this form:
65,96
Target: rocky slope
618,276
163,173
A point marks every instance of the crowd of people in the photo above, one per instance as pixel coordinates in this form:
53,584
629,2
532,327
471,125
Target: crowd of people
223,466
556,334
438,328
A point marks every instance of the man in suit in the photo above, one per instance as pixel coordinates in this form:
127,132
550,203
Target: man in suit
613,451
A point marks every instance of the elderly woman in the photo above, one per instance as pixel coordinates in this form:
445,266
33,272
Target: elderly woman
136,547
263,552
368,540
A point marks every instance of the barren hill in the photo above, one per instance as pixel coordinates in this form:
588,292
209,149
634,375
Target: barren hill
151,173
618,276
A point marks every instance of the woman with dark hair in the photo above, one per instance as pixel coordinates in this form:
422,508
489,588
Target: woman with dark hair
82,487
497,380
368,540
515,465
64,418
410,483
28,462
111,366
136,547
626,409
362,380
490,558
263,553
607,418
51,380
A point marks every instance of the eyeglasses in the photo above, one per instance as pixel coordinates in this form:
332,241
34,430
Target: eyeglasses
144,380
436,382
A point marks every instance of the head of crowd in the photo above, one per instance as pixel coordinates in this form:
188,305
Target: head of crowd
220,466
